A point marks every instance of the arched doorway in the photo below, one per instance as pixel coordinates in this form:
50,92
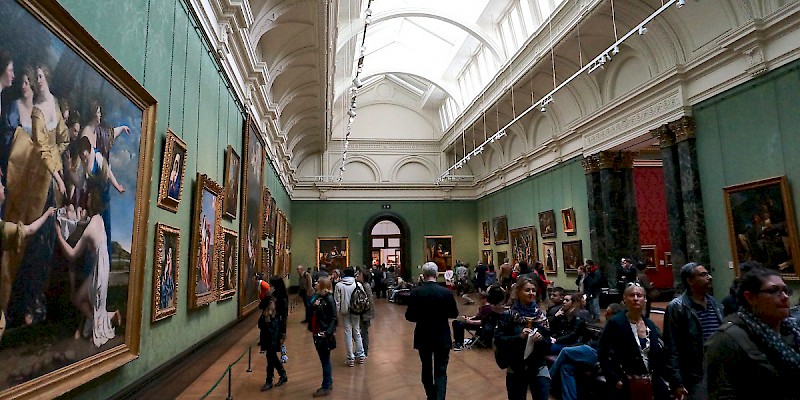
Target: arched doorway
385,240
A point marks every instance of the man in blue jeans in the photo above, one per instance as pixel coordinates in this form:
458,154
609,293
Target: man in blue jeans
430,306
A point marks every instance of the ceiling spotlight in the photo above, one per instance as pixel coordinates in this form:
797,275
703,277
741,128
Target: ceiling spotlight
363,50
615,50
368,20
369,12
459,165
353,104
351,113
357,82
642,30
351,119
491,139
479,150
543,109
501,133
467,157
680,3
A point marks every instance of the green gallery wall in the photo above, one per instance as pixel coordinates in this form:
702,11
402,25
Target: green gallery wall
174,65
748,133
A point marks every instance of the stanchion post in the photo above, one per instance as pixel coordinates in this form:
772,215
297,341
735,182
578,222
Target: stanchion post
229,384
249,352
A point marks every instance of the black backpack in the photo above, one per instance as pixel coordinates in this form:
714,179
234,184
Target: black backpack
359,300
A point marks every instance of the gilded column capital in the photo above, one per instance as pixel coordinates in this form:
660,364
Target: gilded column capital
625,160
607,159
665,136
684,128
589,165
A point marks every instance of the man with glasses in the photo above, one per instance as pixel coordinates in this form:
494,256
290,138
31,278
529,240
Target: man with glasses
689,321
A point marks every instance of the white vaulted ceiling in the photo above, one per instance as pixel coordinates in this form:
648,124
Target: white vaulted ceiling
440,76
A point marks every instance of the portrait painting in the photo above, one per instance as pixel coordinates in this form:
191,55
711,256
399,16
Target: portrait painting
500,230
251,217
549,258
439,249
523,244
485,232
76,237
572,253
486,257
173,167
228,263
165,271
668,259
501,256
547,224
205,242
649,257
334,252
267,205
568,220
762,227
233,169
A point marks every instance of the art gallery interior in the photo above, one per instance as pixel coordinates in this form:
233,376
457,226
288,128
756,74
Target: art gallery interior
635,128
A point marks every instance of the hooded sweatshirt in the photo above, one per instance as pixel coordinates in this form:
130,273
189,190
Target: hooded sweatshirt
343,292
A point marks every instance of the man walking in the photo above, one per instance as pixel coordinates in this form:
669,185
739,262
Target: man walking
430,306
689,320
351,322
306,289
593,283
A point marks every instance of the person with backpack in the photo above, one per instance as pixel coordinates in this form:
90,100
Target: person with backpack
363,277
349,297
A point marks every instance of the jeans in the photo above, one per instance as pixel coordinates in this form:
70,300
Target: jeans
325,359
594,307
434,372
365,335
273,363
352,330
459,327
567,363
518,383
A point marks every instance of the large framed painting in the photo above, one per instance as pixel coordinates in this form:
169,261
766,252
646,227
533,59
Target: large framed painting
485,232
549,258
486,257
439,249
233,170
93,256
173,169
251,217
572,253
500,229
165,272
273,217
762,226
547,224
228,263
649,257
267,257
205,242
523,244
333,252
568,220
280,234
267,217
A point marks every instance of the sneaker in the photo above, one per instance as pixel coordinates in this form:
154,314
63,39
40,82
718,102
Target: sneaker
362,359
457,348
281,380
322,392
351,363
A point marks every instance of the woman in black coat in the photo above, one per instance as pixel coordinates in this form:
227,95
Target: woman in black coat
272,328
630,347
322,325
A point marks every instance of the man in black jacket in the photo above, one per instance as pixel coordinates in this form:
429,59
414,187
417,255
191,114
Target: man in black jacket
689,320
593,284
430,306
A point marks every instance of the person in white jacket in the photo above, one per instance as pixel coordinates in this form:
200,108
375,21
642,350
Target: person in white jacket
351,322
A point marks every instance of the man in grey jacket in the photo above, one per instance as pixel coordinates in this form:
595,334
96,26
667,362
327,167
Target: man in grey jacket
689,321
351,322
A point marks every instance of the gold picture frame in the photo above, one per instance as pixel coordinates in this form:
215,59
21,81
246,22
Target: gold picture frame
166,271
485,233
568,220
206,236
439,250
523,245
173,173
228,278
267,204
233,172
500,230
761,225
102,78
251,217
334,251
549,257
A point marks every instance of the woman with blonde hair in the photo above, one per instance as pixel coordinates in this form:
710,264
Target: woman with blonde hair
322,325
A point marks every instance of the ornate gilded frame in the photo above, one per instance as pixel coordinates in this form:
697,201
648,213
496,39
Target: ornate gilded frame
173,145
65,28
162,230
568,214
568,247
547,224
485,232
500,231
550,246
518,233
226,236
267,204
324,243
252,219
231,203
204,184
433,242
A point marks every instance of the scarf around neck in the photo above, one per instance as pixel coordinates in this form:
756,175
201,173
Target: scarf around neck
785,357
530,311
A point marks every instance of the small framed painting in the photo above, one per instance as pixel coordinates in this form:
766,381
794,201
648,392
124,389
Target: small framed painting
485,232
486,257
572,254
173,167
649,256
547,224
165,272
233,170
228,264
568,220
550,260
205,241
439,249
500,230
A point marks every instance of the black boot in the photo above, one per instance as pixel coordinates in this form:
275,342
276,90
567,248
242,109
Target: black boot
282,379
267,385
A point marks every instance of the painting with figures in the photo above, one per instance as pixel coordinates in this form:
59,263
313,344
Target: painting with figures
228,264
165,271
523,245
205,242
251,217
76,159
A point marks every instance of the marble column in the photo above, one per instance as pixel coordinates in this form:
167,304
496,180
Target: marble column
592,172
672,192
693,215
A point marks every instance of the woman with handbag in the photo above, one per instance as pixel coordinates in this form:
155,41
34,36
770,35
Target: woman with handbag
522,335
322,325
631,354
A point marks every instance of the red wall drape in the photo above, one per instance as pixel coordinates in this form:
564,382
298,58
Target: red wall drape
651,209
